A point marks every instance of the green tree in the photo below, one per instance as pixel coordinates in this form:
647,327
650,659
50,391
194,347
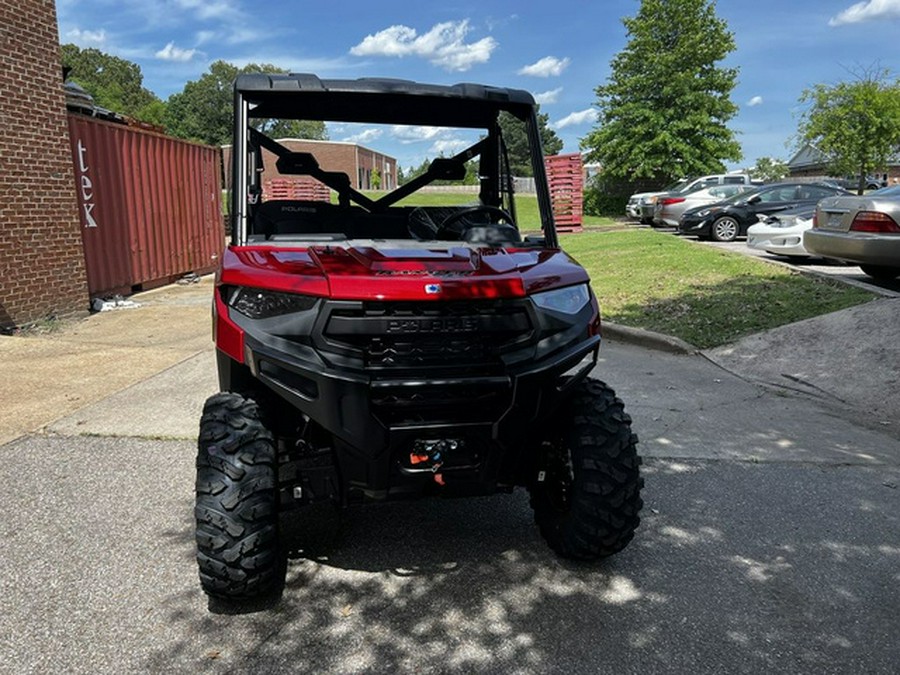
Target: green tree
116,84
769,169
664,110
202,111
516,138
855,124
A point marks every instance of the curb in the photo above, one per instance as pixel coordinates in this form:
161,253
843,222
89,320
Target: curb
646,338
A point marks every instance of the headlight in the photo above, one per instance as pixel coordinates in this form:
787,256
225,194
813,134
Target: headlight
705,212
259,304
569,300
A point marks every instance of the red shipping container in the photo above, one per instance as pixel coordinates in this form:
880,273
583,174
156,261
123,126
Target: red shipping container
150,205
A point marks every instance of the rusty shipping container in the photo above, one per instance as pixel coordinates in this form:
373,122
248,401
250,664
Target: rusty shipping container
150,205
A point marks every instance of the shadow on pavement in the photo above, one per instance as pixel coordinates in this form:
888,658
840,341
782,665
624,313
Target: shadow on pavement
737,567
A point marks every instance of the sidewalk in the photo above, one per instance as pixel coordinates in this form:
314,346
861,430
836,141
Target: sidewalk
48,377
849,360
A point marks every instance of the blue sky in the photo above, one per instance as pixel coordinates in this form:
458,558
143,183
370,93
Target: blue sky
559,50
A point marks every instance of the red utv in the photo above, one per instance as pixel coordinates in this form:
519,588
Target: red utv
428,340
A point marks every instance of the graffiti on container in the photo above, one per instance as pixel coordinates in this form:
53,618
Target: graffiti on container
87,187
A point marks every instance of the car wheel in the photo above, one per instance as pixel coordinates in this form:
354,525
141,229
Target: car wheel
881,272
236,510
725,228
586,492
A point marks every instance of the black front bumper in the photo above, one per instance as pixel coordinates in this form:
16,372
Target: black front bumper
381,398
695,225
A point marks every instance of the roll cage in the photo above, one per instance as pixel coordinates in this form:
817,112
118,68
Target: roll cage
260,97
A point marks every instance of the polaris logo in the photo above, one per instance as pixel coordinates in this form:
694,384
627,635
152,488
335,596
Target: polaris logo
436,325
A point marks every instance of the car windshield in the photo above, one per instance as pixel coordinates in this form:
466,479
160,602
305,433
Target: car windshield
893,191
677,185
739,197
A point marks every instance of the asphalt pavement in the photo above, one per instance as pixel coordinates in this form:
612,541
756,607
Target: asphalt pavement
770,536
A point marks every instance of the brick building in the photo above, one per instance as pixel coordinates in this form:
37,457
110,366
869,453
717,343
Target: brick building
357,162
42,272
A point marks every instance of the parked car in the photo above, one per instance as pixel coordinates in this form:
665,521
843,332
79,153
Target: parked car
863,230
633,208
782,233
671,205
641,205
729,219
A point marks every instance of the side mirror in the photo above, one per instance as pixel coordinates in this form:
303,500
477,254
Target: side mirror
297,164
446,168
755,199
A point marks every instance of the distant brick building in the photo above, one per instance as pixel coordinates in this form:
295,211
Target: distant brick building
42,271
359,163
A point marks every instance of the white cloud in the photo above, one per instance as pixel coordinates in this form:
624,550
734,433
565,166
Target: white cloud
869,10
444,45
548,96
576,118
546,67
210,9
406,134
364,136
755,101
204,36
448,147
172,53
87,37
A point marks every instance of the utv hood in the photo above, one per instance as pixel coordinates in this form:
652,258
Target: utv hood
365,272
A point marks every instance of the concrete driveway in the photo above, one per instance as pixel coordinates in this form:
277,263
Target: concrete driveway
849,274
770,540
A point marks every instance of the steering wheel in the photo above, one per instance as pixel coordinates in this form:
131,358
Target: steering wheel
480,208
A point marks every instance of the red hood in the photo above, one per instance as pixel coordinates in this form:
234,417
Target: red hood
368,273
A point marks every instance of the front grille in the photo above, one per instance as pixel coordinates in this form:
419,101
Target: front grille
387,353
448,403
388,335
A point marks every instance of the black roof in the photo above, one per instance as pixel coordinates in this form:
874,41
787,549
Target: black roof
379,100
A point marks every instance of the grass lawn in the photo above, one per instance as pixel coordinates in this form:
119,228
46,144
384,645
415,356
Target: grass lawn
657,281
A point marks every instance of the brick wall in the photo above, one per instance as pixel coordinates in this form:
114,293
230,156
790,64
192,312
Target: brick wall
41,258
354,160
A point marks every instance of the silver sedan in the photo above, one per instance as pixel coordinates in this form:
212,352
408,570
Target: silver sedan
863,230
671,205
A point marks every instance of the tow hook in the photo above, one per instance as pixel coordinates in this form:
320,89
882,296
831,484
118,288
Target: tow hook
428,456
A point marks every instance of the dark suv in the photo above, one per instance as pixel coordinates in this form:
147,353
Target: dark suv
398,343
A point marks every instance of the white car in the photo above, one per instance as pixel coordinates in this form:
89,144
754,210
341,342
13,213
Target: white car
670,206
782,233
634,207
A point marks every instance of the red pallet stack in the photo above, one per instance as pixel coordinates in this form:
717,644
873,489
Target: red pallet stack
296,189
565,174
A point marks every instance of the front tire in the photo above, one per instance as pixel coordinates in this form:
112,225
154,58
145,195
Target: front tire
236,512
725,228
586,491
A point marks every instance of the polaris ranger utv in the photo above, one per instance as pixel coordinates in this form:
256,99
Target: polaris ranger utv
374,346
